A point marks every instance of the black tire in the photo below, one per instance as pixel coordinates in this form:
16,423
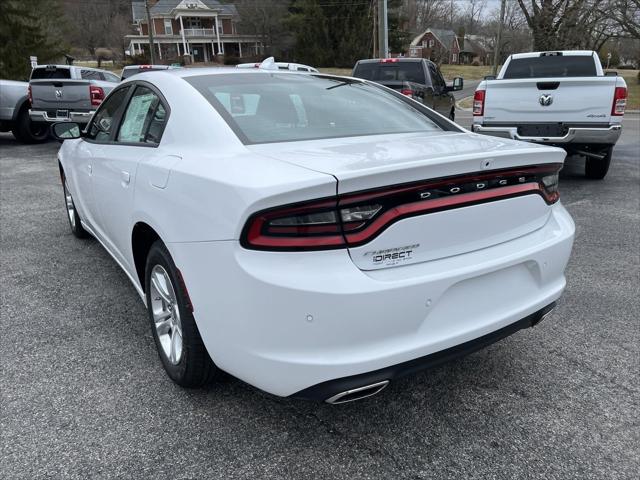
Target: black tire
597,169
72,213
194,368
27,131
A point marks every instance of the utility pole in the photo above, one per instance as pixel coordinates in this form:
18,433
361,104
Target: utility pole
383,34
150,29
496,47
375,30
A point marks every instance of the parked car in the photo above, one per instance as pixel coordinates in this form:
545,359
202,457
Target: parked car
131,70
417,78
555,98
14,113
67,92
315,236
294,67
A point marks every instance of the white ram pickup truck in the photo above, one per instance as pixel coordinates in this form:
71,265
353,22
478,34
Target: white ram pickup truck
556,98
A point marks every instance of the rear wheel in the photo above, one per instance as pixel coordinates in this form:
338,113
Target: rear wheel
72,213
27,131
180,347
596,168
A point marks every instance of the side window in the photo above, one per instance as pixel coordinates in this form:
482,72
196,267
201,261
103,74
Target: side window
102,123
90,75
110,77
144,119
436,78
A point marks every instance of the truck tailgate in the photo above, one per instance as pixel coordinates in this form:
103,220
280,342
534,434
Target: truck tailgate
72,95
549,100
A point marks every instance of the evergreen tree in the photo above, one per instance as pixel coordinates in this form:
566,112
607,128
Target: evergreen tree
28,28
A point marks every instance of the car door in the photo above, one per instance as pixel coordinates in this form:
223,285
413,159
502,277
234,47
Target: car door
136,138
89,149
441,97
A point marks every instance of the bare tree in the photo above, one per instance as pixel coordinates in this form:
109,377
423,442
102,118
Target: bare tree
264,19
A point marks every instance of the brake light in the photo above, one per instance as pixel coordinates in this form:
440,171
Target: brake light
96,94
356,218
478,102
30,95
145,67
407,91
619,101
389,60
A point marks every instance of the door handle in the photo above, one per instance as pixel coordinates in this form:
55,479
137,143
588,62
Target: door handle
126,178
89,168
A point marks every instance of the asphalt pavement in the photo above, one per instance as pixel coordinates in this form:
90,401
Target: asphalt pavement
83,394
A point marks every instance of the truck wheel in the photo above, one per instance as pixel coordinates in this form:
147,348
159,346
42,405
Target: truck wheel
597,169
27,131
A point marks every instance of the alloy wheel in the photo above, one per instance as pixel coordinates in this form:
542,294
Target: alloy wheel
166,314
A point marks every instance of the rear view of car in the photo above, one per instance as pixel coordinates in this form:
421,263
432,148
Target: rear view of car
67,93
555,98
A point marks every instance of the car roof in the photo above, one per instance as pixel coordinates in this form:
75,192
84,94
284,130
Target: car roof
391,60
576,53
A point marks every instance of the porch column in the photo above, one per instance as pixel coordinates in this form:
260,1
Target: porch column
159,51
240,49
178,48
218,35
213,49
184,41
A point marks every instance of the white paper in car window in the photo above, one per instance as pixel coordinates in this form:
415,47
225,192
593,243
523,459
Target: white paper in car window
133,124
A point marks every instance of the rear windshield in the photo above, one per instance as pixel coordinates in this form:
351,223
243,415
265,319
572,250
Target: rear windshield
389,72
551,66
50,72
266,107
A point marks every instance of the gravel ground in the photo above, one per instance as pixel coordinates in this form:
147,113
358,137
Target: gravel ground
83,394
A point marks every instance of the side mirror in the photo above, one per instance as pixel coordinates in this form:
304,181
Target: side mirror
458,83
66,130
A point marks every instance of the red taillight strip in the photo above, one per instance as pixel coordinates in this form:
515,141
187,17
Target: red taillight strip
400,212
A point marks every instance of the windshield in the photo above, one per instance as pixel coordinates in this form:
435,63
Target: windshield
390,72
266,107
551,66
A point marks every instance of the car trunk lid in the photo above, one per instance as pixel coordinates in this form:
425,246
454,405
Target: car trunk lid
363,165
58,94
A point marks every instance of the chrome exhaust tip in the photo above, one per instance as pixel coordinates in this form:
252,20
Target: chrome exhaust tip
357,393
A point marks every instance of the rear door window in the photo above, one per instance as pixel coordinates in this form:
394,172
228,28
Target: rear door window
50,72
91,75
144,119
551,66
436,78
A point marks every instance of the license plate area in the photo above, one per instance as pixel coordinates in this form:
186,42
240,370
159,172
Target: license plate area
62,113
542,130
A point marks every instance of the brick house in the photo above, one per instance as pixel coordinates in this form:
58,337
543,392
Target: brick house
199,29
440,46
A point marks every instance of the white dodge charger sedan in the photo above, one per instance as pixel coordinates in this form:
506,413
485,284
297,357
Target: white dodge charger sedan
315,236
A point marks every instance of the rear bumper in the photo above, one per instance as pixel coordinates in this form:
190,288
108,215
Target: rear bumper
288,321
43,116
331,388
579,135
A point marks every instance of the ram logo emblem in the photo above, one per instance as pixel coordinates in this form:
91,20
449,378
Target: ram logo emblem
545,100
58,93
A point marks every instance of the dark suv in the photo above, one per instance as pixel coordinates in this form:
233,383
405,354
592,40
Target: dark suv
415,77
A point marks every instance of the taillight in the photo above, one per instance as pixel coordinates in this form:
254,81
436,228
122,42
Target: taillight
619,101
407,91
356,218
478,102
30,95
96,94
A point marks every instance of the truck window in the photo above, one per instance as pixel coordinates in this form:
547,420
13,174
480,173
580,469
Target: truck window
551,66
50,71
396,71
91,75
436,78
